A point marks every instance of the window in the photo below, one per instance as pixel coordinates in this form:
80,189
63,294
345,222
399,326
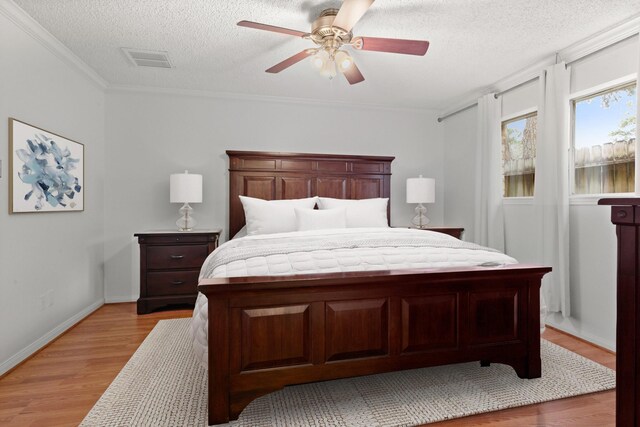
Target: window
604,141
519,155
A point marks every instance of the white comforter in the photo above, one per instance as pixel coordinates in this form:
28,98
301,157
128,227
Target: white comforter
325,251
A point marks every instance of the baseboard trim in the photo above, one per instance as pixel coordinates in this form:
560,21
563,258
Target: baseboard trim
581,339
606,346
32,349
119,299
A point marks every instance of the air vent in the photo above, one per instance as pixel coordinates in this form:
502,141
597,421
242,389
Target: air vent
147,58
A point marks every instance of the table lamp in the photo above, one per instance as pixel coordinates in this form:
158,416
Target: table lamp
421,190
185,188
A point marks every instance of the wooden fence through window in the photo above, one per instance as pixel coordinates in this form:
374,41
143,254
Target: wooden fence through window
606,168
519,177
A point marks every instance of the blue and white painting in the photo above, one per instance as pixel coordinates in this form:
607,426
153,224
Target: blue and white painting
47,170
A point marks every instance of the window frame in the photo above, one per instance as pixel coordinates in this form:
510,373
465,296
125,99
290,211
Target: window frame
592,92
524,114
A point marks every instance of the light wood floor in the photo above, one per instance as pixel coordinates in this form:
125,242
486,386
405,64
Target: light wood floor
59,385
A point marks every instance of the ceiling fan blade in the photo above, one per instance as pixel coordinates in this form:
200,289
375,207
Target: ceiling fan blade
350,13
353,74
291,60
407,47
259,26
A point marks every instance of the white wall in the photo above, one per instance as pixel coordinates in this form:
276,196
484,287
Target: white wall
57,252
150,136
593,239
593,236
609,64
460,135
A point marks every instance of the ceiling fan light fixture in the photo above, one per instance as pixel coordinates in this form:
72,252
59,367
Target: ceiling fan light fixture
317,62
343,61
320,59
328,69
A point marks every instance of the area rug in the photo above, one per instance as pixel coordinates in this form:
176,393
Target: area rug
164,385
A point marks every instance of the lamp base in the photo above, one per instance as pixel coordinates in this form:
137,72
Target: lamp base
186,221
420,220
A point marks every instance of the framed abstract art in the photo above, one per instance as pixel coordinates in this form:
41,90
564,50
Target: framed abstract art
46,171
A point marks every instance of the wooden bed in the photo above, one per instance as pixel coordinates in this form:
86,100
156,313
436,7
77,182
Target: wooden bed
269,332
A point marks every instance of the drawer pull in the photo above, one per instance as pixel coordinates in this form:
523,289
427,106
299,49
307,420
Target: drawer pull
177,282
177,256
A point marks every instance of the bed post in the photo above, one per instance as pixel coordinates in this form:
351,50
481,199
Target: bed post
625,214
218,357
534,363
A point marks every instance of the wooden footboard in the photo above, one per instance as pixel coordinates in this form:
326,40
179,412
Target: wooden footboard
269,332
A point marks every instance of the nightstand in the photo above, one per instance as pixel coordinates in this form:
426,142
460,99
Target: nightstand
170,263
451,231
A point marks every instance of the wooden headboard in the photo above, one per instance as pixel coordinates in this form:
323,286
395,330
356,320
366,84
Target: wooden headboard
277,176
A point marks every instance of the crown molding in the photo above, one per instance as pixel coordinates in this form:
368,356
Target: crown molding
601,40
154,90
572,53
468,103
501,85
531,72
31,27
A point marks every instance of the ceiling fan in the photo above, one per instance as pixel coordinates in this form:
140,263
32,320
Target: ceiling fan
331,31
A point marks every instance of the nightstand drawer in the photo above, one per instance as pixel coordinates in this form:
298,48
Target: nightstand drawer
170,263
178,239
178,256
172,282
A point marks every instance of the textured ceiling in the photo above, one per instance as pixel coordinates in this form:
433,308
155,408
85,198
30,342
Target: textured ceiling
473,43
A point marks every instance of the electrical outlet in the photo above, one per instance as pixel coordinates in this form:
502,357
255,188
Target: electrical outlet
45,300
49,301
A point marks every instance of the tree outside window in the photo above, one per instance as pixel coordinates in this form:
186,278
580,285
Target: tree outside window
519,155
604,141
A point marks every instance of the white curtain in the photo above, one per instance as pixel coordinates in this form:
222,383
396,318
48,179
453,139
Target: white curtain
489,218
551,194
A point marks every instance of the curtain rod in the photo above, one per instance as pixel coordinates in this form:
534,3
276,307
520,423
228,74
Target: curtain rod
496,95
453,113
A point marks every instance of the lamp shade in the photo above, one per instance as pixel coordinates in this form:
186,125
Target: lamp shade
421,190
185,188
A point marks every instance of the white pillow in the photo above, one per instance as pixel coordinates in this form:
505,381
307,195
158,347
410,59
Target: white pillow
360,213
310,219
241,233
272,216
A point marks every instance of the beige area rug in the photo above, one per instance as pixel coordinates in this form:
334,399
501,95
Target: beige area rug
163,385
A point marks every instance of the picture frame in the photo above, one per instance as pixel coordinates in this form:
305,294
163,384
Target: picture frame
46,171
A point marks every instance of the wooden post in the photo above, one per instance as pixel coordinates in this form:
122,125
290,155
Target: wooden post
625,214
218,361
